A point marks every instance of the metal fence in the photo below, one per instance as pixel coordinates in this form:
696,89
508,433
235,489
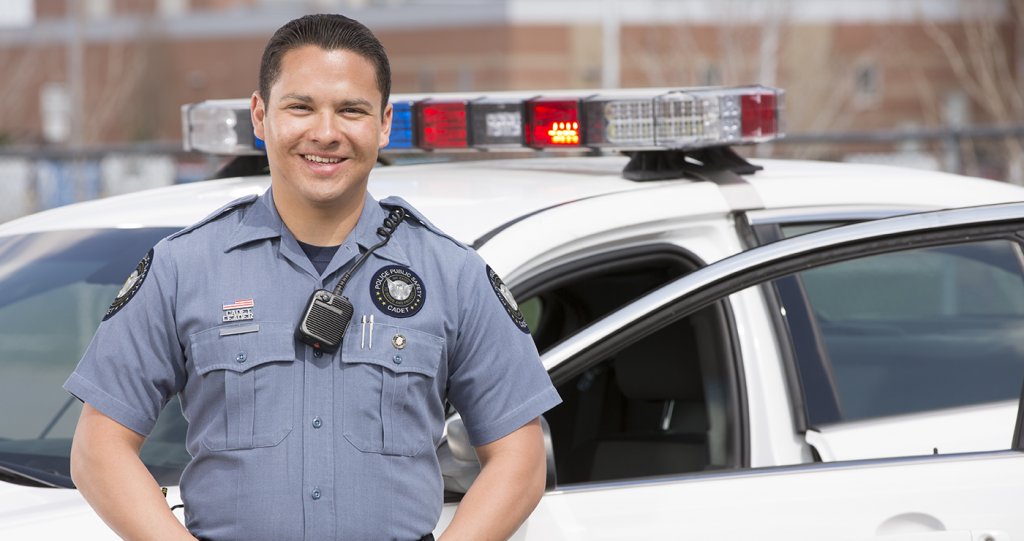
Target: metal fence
33,179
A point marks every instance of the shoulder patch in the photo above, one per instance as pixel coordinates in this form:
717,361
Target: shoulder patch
505,296
244,201
397,291
131,285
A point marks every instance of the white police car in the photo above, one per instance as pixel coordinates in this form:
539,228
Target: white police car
732,365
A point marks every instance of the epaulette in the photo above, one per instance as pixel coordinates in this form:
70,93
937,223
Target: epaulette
395,201
241,202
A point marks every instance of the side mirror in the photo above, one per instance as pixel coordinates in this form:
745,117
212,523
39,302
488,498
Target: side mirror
459,465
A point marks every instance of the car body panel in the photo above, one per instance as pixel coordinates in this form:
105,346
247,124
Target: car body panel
50,513
841,501
542,214
983,427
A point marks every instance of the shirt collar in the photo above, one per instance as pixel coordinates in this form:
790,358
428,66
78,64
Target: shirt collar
260,222
263,222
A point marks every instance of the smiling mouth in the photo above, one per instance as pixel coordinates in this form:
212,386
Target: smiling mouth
318,159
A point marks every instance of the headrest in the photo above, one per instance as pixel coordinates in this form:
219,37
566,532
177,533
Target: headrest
663,366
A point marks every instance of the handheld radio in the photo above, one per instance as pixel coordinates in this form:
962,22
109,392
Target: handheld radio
328,313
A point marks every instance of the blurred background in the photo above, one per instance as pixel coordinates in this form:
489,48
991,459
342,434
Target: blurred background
91,90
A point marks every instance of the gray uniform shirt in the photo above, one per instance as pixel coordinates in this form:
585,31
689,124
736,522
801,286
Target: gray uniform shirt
291,443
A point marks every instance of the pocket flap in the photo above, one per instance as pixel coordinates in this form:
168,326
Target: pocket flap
238,352
396,348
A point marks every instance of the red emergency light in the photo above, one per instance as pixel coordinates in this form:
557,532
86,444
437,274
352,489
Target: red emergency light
552,123
442,124
758,115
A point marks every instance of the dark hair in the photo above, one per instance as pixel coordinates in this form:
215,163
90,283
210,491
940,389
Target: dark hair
330,32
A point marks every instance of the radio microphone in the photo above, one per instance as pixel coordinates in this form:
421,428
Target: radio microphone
328,313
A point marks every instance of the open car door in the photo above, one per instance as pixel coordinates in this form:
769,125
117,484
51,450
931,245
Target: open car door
655,435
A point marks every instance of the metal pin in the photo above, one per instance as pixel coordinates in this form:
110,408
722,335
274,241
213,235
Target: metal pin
371,331
362,340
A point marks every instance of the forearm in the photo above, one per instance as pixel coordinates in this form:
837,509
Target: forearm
106,468
510,484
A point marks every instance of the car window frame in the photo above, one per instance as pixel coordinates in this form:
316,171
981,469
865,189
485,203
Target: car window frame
690,293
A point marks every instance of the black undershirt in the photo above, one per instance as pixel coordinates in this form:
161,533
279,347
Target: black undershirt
319,256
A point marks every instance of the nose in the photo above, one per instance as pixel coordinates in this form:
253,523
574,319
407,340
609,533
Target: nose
325,129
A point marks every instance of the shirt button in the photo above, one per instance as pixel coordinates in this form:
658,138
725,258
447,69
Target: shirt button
318,353
317,423
240,357
316,494
398,359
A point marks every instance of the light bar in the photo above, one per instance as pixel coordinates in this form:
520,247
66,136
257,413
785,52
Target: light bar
219,127
628,120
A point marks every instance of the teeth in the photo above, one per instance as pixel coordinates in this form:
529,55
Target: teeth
318,159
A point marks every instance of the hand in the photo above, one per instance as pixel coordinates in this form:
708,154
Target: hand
106,468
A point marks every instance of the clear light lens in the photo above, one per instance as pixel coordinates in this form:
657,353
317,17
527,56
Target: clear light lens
722,116
504,124
619,122
496,123
214,127
729,114
220,127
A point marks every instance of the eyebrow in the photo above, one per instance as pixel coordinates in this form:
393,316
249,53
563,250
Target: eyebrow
308,99
300,97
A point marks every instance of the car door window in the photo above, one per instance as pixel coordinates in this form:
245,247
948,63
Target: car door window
666,404
54,290
918,330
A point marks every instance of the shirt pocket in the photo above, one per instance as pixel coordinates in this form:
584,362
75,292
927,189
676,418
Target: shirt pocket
389,389
248,377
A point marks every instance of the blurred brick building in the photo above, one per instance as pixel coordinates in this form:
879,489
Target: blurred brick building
128,65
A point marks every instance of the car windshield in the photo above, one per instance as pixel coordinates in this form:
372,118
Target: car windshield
54,290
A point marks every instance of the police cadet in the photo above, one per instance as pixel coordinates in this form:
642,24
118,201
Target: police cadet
292,437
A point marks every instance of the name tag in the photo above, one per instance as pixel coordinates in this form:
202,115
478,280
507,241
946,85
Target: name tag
239,330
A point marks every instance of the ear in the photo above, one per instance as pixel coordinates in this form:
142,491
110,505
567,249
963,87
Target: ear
385,127
258,111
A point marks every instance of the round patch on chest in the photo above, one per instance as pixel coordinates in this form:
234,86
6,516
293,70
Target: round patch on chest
509,302
397,291
131,285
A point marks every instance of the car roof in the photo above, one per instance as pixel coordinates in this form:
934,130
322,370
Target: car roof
472,198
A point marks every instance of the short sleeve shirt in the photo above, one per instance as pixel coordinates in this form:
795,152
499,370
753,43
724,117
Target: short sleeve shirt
289,442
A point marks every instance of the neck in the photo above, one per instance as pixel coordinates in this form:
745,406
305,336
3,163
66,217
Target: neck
320,224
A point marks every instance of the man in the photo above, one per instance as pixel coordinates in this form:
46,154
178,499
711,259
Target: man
289,442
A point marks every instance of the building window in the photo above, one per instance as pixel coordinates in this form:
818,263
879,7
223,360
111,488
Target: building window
867,85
